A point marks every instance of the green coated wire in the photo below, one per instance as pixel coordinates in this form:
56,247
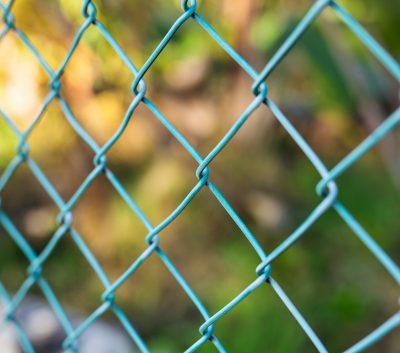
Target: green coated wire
326,188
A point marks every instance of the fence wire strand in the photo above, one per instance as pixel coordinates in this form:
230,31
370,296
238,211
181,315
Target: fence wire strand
326,188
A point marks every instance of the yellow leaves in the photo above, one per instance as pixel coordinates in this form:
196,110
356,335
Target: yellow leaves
54,137
167,174
136,143
20,81
102,114
80,74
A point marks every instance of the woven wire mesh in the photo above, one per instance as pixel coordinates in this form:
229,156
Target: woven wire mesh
326,188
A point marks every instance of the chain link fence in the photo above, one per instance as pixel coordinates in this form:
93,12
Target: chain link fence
326,188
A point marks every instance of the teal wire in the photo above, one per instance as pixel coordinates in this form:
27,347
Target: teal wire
327,188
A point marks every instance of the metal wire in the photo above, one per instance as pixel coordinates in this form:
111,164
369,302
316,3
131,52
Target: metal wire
326,188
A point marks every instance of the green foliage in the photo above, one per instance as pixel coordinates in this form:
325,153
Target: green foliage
328,274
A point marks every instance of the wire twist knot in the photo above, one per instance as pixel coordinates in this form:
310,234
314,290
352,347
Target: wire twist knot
89,10
55,86
138,82
65,218
8,18
35,270
23,149
100,160
260,89
189,5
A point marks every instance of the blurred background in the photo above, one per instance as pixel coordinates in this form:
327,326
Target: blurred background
329,86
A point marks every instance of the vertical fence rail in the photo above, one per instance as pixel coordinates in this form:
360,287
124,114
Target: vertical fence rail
326,188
